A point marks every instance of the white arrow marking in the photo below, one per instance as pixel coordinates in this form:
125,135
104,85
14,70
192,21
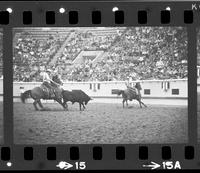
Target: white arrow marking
64,165
152,166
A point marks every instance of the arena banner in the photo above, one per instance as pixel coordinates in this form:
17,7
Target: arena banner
99,85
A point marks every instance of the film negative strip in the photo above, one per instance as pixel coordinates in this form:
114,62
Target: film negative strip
94,85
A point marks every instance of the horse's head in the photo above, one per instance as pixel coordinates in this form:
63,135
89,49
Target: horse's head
56,79
138,86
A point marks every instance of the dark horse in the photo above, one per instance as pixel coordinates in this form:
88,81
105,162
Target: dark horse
131,93
41,92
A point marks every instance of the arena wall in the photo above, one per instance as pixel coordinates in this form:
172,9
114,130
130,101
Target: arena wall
198,79
1,90
167,91
150,88
176,90
198,84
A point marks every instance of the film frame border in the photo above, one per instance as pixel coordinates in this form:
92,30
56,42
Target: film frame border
107,19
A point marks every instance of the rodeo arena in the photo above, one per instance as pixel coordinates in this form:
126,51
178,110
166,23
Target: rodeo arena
119,85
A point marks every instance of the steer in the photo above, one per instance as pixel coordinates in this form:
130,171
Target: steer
76,96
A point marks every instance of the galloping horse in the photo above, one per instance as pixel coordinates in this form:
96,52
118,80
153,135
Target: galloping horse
41,92
131,93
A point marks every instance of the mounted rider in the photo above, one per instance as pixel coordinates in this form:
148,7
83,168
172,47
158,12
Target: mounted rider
47,82
128,85
133,90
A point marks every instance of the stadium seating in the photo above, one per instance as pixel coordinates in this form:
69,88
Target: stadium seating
136,52
1,54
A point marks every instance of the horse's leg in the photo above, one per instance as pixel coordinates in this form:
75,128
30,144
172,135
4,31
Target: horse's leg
123,102
65,105
143,103
126,102
139,102
40,104
80,106
60,102
35,105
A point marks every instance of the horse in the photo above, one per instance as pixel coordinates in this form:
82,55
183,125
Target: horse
131,93
41,92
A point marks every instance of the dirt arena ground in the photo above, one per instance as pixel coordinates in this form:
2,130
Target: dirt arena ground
100,123
1,122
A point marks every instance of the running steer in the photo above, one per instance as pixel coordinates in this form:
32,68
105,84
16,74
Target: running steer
75,96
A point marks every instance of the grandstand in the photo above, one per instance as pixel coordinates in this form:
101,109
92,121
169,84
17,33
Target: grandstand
41,33
1,53
33,49
102,54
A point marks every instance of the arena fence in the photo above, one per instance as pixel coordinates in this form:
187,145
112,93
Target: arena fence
165,90
198,78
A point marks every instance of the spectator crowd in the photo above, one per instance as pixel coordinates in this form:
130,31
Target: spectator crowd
1,54
198,48
139,53
30,54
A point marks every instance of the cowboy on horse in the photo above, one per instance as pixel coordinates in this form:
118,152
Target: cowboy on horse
131,93
50,89
133,90
49,84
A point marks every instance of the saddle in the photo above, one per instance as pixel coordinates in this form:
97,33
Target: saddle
132,93
49,93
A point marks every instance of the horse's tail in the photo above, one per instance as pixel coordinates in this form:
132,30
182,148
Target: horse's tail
25,95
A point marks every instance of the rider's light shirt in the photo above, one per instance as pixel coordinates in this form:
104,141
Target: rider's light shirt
127,83
45,77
